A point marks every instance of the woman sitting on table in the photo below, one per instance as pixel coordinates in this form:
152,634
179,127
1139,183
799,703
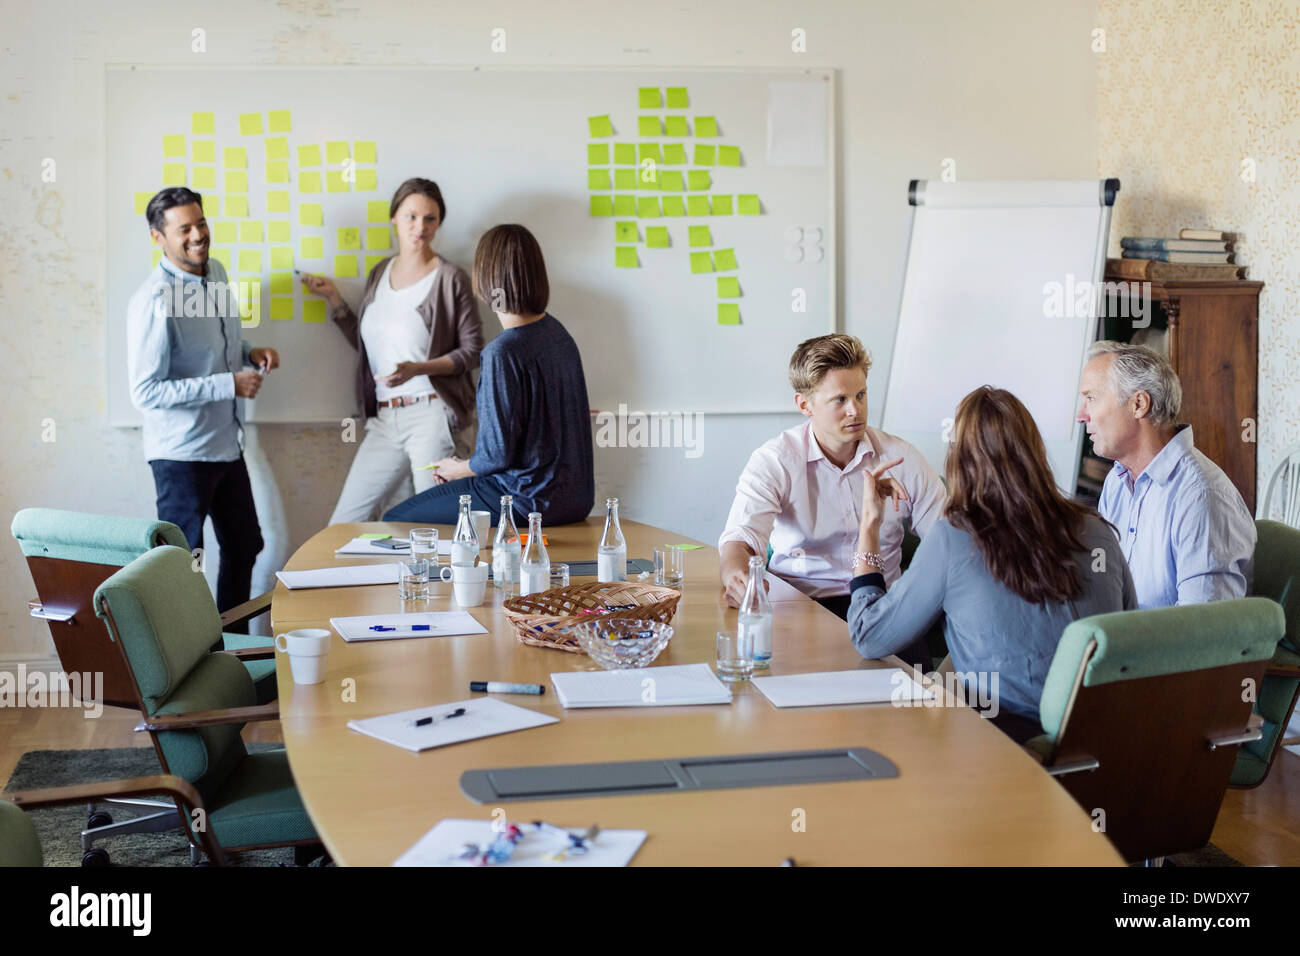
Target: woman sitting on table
1009,565
534,437
419,336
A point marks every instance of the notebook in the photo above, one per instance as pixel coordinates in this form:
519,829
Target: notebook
842,687
483,717
442,845
672,686
346,576
441,624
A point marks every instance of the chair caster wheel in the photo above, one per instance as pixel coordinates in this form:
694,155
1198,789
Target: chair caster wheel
98,819
95,857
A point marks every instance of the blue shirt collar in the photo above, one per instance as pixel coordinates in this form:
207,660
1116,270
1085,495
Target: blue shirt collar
1162,467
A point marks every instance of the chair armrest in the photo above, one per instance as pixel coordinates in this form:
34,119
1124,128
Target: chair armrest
1254,731
250,653
1281,670
209,718
246,611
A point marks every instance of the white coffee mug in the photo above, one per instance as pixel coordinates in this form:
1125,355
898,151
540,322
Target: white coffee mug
482,521
468,583
307,649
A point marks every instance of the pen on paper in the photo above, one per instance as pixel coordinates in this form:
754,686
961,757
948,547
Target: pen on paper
426,721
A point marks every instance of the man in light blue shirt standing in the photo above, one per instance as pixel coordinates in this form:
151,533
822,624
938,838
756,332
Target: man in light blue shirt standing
1183,526
188,371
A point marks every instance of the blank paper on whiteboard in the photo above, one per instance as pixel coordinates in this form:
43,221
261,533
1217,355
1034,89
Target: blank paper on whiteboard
796,124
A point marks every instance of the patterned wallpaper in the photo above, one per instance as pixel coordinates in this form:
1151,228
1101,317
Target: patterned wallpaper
1199,116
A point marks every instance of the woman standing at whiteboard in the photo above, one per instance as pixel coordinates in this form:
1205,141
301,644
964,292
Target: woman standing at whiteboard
419,336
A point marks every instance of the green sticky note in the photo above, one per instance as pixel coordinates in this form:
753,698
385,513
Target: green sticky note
250,124
203,124
309,155
313,310
277,147
372,261
349,238
336,152
700,236
648,98
236,207
728,313
674,206
625,257
656,237
250,231
706,126
225,233
670,180
598,179
277,231
701,262
724,260
250,260
345,267
205,177
674,154
598,154
174,145
626,232
697,205
728,155
720,206
649,151
281,307
277,171
281,283
374,536
335,183
173,174
705,155
700,179
602,206
237,182
648,175
364,151
367,180
311,214
377,210
677,98
600,126
234,157
204,150
277,200
624,154
625,179
278,121
378,237
728,287
142,202
647,207
676,126
313,247
625,205
282,257
748,205
649,126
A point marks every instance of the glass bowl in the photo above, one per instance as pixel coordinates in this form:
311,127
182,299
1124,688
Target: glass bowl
621,643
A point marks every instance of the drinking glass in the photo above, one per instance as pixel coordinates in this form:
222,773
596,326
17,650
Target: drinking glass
412,578
669,565
424,544
735,655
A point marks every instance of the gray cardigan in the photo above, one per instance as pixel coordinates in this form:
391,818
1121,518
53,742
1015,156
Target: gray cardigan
988,627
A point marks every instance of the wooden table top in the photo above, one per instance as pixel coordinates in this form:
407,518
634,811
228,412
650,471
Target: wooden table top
965,794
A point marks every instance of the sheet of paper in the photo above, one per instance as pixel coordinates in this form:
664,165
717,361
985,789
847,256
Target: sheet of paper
442,845
671,686
441,624
362,546
824,688
796,123
483,717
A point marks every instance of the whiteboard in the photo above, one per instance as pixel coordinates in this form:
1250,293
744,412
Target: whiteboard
503,145
1000,289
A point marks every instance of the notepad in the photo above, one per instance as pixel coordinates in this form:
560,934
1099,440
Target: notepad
483,717
442,845
673,686
441,624
347,576
879,685
362,546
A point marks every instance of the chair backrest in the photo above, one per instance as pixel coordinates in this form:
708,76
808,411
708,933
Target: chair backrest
1145,693
18,843
1282,494
160,610
69,554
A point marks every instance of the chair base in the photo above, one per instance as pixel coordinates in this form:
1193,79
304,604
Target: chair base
166,817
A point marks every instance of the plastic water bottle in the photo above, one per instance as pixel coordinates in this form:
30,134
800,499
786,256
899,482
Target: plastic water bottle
535,571
464,541
611,555
506,550
756,614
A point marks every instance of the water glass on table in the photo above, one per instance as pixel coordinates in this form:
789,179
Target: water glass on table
735,655
670,562
559,575
424,544
412,578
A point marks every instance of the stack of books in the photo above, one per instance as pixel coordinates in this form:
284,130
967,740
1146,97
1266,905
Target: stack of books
1195,254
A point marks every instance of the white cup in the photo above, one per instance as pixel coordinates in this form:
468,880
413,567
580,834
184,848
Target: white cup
482,521
468,583
307,649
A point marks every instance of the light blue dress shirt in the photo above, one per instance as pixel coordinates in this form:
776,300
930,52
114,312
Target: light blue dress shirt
1183,526
183,348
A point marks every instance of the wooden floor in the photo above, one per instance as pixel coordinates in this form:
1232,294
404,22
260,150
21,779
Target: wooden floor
1259,827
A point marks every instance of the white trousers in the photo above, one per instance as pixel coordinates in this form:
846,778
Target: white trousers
397,442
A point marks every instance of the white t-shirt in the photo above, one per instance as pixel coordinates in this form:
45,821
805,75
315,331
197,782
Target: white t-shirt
393,331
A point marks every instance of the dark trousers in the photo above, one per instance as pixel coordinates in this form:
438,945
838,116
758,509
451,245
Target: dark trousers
916,654
441,503
191,491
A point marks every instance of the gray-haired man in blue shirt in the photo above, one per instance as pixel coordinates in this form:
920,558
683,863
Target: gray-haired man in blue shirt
188,371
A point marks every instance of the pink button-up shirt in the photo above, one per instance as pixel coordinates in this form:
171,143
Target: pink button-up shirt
792,496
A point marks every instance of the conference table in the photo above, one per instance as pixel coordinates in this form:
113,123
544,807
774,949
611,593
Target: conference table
965,793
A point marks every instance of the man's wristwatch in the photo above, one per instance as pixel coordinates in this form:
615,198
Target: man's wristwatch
873,558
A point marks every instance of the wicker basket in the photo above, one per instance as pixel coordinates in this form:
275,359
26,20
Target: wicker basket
544,619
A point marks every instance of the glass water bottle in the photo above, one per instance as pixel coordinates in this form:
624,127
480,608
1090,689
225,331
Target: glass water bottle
535,571
611,556
756,614
506,550
464,542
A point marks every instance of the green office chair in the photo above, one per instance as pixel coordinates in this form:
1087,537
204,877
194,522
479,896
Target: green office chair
1277,576
194,703
1144,712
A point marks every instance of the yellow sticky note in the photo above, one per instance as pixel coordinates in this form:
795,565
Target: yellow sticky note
313,310
625,179
748,205
728,287
335,183
598,154
364,152
372,261
670,180
677,98
157,254
222,255
309,155
647,207
601,206
699,179
700,236
282,257
600,126
225,233
706,126
656,237
142,202
310,214
205,177
724,260
625,257
250,260
378,237
720,206
250,124
277,200
236,206
212,206
649,151
309,182
277,147
250,231
624,154
676,126
626,232
377,210
697,205
705,155
349,237
701,262
648,175
345,267
204,150
728,155
277,231
202,124
674,206
279,121
237,182
250,302
598,179
234,157
674,154
367,180
648,98
277,171
174,145
281,283
281,307
313,247
336,152
173,174
649,126
625,205
728,313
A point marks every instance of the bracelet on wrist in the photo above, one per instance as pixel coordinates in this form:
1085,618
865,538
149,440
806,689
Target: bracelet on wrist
872,559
